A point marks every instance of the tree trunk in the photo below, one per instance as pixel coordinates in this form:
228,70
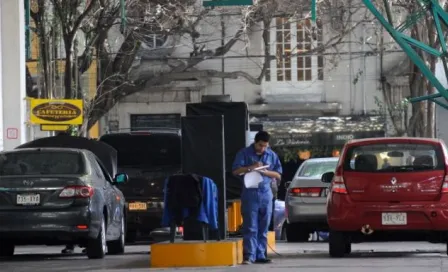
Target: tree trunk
430,118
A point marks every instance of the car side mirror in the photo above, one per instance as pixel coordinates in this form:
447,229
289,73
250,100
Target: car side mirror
121,178
287,184
327,177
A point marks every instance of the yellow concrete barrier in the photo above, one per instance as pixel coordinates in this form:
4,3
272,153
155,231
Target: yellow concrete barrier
197,253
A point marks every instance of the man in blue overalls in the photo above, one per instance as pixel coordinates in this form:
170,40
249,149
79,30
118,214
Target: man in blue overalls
256,203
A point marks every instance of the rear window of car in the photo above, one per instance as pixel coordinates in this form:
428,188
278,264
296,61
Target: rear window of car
394,157
41,163
316,168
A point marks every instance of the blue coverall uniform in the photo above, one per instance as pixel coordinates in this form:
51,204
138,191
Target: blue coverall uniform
256,203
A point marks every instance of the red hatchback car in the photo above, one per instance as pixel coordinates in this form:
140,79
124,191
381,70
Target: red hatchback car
388,189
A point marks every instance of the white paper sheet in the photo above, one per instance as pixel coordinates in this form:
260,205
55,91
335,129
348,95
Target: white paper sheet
252,179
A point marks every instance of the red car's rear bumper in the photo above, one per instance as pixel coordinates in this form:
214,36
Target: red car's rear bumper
345,215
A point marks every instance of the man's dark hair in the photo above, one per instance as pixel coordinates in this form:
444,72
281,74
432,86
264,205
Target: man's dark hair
262,136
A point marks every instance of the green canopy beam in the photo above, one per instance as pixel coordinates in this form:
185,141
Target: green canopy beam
408,44
313,10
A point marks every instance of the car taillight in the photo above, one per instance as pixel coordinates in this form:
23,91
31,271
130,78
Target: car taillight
338,185
306,192
445,185
76,192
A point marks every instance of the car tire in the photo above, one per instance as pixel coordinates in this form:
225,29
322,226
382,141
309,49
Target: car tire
337,244
117,247
6,250
96,248
296,233
283,233
348,248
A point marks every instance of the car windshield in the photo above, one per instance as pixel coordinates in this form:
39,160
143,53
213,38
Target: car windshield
316,168
394,157
41,163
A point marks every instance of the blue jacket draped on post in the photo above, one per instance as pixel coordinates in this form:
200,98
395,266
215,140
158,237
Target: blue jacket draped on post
208,211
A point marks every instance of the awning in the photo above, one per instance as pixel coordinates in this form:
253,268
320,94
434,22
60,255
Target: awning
306,131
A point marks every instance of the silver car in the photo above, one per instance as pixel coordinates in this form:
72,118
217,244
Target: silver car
306,198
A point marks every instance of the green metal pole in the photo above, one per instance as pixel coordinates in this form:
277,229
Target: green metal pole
425,97
388,12
443,105
123,15
313,10
404,41
27,29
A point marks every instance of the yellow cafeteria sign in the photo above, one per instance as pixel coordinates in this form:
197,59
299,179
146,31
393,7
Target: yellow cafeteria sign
56,111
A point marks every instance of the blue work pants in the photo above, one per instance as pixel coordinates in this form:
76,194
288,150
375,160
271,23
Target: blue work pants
256,209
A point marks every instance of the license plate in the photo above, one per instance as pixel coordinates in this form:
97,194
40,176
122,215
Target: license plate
138,206
394,219
31,199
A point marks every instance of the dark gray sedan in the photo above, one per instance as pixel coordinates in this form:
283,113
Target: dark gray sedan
59,196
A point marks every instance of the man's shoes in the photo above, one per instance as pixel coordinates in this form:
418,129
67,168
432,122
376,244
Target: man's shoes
263,261
246,262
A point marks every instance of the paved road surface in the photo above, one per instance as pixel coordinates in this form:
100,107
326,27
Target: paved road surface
309,257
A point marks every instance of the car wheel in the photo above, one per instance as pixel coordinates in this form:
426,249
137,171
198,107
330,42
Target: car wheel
348,248
6,249
296,233
337,244
117,247
283,233
96,248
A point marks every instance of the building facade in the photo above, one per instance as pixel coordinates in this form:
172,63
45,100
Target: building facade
342,81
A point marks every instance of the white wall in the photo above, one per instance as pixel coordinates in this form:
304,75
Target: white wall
14,108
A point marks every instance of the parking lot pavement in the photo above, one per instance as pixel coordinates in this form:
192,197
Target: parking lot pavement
303,257
289,249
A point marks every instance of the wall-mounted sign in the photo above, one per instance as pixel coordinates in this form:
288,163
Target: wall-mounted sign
218,3
345,137
56,111
293,139
321,138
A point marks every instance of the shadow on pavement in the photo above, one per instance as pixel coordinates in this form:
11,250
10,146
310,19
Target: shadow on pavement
40,257
135,264
324,255
63,257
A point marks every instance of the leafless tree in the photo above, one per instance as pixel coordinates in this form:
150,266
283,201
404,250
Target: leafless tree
121,58
413,19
